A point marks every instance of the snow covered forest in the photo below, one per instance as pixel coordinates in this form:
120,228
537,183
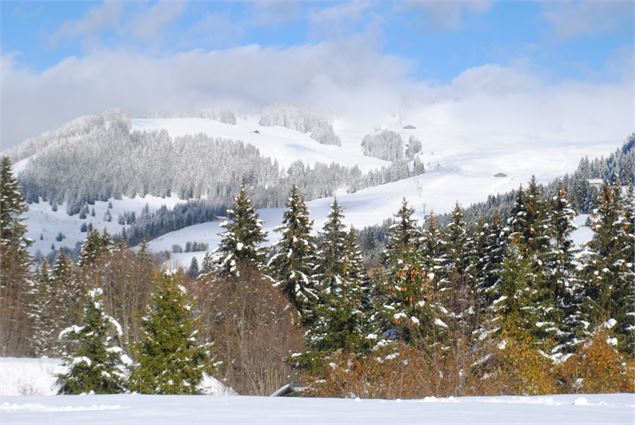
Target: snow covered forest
102,158
502,304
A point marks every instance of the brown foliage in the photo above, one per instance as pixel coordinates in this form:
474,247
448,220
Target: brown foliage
597,368
252,326
518,368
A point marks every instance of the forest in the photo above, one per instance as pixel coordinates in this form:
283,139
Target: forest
498,304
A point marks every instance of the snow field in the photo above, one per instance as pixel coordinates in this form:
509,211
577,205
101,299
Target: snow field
605,409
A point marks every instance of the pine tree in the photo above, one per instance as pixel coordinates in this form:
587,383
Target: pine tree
457,285
609,283
94,246
170,360
412,309
97,363
193,270
14,265
563,287
240,243
341,323
329,268
529,230
513,309
487,262
292,263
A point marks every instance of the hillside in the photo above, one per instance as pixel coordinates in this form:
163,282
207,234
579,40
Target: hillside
210,158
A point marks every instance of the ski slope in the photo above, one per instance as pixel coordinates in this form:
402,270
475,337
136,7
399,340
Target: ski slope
605,409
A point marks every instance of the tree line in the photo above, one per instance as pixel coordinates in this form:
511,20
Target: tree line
505,305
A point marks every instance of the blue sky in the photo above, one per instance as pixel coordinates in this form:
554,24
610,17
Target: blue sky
440,40
62,59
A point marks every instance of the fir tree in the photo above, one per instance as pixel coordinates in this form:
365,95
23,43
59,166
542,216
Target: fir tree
170,360
457,285
329,268
563,286
193,270
93,247
609,283
512,309
292,262
341,323
240,243
97,363
412,308
14,265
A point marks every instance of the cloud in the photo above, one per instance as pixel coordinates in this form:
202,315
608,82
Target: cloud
349,78
448,14
319,75
150,23
571,19
273,12
350,11
98,19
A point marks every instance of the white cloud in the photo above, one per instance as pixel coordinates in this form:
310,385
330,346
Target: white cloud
448,14
99,18
349,78
150,23
350,11
571,19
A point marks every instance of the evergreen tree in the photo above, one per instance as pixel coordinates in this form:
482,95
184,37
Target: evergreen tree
170,360
14,265
97,363
457,285
341,323
93,247
563,286
292,263
487,262
513,309
330,268
412,309
240,243
192,271
609,283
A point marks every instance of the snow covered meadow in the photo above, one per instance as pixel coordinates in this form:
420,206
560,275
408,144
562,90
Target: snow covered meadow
27,388
613,409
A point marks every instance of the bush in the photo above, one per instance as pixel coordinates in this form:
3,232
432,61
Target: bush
254,331
597,367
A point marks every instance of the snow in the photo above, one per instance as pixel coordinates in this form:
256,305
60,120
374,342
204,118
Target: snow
282,144
37,377
607,409
26,376
42,221
583,233
459,167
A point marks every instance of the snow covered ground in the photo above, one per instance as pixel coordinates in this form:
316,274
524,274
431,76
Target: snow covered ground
603,409
22,376
282,144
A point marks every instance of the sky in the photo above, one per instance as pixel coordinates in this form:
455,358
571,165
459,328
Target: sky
551,61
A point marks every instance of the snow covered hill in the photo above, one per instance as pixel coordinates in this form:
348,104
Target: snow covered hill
605,409
460,167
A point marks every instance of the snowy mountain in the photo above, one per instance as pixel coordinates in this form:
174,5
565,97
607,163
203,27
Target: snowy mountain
121,165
